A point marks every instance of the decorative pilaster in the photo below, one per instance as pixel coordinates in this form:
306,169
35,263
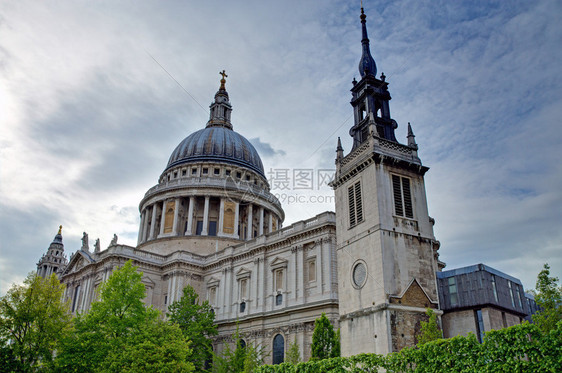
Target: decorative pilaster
270,222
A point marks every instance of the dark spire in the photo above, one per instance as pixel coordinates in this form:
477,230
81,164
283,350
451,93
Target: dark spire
367,65
411,138
221,108
339,151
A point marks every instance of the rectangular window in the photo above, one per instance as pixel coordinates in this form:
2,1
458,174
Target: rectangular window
453,291
519,301
355,204
243,288
212,295
479,325
212,228
199,228
279,279
217,171
183,172
205,171
511,294
494,289
194,171
402,196
312,270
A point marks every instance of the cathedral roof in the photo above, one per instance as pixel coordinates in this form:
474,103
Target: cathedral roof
218,142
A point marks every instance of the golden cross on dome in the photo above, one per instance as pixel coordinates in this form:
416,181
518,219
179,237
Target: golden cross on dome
60,228
223,80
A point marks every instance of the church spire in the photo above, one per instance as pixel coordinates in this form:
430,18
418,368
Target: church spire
221,108
367,65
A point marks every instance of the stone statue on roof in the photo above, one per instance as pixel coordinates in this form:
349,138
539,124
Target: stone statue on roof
85,245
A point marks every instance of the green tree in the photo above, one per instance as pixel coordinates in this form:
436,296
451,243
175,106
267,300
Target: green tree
33,319
293,355
244,358
156,347
324,342
196,321
120,334
429,329
549,299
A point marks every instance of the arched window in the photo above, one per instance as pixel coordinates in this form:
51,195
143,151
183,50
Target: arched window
242,343
278,349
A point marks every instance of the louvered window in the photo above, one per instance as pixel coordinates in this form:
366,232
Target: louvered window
402,196
355,204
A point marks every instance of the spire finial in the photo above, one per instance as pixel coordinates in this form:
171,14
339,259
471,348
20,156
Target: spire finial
60,229
223,80
411,137
367,65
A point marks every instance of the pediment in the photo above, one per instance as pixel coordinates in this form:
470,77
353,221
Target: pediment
414,296
213,282
79,260
279,262
243,273
148,282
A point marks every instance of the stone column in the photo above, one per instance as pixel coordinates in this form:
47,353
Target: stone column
249,228
176,217
270,221
295,277
329,259
205,229
221,218
141,226
320,266
162,218
153,222
145,227
190,216
260,229
236,220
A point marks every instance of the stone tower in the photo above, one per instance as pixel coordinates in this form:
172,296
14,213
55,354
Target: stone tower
386,251
54,261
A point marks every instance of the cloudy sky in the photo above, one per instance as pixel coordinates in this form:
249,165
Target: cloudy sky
94,97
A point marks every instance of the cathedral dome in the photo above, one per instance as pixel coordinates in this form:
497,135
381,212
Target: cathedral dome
217,144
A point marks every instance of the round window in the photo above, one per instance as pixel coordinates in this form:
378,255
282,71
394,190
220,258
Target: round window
359,274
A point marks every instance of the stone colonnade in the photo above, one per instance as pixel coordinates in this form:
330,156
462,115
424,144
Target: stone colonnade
205,216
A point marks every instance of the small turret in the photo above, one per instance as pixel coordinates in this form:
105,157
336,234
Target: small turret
54,261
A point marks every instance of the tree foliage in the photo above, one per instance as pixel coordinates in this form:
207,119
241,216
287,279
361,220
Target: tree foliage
520,348
33,319
120,334
549,299
244,358
196,321
293,355
429,329
325,342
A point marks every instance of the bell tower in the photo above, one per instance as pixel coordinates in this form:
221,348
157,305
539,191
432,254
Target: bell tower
386,249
